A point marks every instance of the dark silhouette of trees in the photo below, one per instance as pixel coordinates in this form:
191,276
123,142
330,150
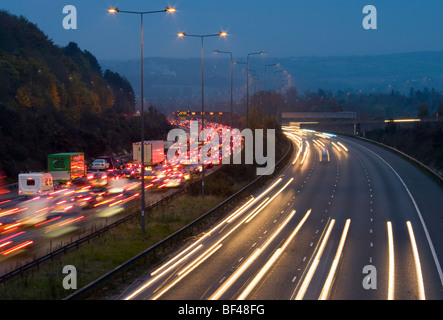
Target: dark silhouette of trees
57,99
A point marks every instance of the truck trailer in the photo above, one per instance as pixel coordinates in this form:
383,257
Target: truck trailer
65,167
154,152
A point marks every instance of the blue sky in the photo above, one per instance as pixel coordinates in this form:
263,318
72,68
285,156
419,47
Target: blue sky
283,28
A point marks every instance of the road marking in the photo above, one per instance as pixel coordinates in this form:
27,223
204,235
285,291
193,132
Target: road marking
431,245
272,259
228,283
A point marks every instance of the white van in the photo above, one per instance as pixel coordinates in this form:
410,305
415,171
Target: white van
36,183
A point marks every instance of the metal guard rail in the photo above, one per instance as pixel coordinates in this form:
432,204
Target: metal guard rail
120,268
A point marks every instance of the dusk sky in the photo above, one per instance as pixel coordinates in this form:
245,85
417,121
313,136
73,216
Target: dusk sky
283,28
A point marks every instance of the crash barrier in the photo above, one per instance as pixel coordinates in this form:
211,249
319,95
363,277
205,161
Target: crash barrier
75,244
182,233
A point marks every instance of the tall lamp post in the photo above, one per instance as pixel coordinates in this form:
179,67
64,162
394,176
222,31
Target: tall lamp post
275,73
247,85
141,13
220,34
230,53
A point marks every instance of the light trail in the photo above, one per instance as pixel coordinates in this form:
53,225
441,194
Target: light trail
336,146
341,145
328,284
305,153
228,283
313,268
428,237
299,143
273,258
148,283
421,289
156,273
229,219
259,209
391,280
188,269
18,247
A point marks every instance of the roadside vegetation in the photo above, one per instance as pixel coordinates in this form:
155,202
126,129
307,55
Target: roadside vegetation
125,241
58,99
423,142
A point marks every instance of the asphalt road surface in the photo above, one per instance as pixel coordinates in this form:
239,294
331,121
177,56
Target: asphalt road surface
345,220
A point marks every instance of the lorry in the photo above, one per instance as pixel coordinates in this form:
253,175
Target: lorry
65,167
35,183
154,152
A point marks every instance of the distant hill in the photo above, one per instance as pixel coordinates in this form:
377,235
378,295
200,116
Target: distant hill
170,82
59,99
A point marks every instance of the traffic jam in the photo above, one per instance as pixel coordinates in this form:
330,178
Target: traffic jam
51,204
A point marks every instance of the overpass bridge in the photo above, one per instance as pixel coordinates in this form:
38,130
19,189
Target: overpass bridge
343,121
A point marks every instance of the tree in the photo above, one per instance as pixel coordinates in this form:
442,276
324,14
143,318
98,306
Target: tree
423,110
440,110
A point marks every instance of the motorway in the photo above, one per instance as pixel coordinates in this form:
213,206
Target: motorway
26,220
345,220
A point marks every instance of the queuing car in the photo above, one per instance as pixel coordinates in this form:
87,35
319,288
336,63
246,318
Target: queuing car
100,164
97,178
174,180
13,239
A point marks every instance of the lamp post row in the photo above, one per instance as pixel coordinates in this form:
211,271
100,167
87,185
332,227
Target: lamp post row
220,34
182,34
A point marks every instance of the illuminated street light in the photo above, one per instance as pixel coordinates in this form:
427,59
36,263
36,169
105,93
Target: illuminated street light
141,13
275,73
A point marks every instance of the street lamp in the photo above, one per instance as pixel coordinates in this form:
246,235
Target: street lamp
283,79
275,73
230,53
141,13
247,85
220,34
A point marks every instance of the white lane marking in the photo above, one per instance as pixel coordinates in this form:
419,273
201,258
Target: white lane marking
431,245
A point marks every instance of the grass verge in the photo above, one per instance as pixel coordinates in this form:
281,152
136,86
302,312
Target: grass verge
119,244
